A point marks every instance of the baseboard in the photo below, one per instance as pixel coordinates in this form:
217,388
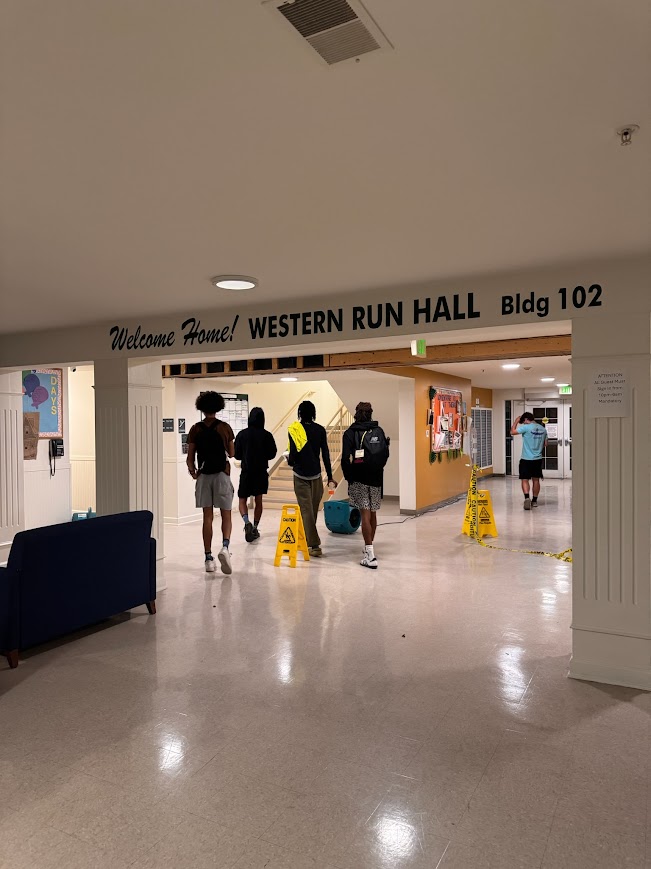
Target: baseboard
182,520
436,506
627,677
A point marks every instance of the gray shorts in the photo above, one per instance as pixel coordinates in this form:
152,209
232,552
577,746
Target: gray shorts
364,497
214,490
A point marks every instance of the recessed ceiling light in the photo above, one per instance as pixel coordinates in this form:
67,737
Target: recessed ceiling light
288,379
547,379
234,282
562,384
510,366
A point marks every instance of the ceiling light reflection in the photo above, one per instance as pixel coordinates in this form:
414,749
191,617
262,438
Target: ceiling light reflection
397,840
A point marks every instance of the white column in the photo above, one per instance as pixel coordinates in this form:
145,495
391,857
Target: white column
12,506
407,444
129,443
611,624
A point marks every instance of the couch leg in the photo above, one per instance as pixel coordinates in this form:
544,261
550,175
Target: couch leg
151,606
12,657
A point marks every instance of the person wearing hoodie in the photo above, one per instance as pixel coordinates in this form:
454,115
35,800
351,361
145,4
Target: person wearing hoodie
254,448
365,452
308,443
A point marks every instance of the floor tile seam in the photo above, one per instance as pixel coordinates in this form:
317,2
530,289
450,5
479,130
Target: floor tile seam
551,827
93,845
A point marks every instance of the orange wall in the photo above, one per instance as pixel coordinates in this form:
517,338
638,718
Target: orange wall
485,397
442,480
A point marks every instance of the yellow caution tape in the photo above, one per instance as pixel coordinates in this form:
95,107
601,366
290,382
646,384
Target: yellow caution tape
473,529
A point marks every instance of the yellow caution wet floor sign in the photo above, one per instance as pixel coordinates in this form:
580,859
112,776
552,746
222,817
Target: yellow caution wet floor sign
479,520
291,536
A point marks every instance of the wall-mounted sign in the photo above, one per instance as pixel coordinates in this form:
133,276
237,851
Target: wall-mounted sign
42,395
168,425
565,390
609,392
181,425
446,432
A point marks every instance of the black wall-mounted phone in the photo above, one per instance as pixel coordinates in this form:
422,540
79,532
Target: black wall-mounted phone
56,452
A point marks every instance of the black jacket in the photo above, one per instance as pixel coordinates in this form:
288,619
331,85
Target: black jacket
358,473
306,463
255,446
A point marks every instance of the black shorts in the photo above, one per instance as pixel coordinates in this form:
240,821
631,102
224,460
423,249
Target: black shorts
252,484
531,469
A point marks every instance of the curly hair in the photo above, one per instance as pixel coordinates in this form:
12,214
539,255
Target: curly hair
363,412
209,402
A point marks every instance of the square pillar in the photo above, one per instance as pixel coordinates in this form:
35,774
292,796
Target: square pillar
129,441
611,620
12,504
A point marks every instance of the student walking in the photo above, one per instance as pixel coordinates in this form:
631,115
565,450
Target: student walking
365,452
210,442
308,443
534,438
255,447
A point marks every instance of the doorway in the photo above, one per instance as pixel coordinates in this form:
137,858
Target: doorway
557,419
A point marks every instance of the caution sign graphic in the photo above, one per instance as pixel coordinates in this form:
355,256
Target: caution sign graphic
291,536
287,536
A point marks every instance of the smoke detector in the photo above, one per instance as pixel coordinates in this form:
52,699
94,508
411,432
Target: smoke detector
338,30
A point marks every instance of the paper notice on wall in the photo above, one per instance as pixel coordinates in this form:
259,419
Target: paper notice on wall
30,435
609,392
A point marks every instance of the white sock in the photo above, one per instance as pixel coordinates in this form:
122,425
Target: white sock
369,550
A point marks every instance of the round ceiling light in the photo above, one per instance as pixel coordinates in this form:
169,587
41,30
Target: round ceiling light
288,379
234,282
546,379
510,366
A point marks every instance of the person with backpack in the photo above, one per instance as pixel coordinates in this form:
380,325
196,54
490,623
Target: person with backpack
254,447
365,452
308,442
210,443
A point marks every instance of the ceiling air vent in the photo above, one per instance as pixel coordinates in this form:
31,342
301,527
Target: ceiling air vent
337,30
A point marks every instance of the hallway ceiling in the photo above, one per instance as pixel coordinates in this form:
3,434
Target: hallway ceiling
148,146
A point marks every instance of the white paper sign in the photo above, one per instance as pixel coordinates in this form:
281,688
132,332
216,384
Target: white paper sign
609,392
552,431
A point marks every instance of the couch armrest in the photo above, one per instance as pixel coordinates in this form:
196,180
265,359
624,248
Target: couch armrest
152,569
9,609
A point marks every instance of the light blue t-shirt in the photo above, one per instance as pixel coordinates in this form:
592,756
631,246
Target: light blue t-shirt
533,440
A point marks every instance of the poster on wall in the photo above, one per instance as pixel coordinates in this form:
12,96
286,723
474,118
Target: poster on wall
446,415
42,395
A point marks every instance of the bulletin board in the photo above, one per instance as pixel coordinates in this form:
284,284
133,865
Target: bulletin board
446,423
236,410
42,395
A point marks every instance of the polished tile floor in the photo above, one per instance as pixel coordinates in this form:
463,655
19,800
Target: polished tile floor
332,717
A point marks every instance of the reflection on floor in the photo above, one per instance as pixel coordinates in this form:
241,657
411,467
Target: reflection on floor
332,716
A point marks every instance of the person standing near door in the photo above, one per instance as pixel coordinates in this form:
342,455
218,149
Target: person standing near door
534,438
365,452
255,447
210,442
308,443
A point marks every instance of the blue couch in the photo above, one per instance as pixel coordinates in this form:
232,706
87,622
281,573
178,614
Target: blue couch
62,578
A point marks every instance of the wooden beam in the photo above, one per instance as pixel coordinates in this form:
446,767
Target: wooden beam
441,354
514,348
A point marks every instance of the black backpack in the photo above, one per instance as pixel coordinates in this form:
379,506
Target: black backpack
211,451
376,447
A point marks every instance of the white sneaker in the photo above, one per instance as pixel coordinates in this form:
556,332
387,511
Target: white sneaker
224,557
210,564
369,561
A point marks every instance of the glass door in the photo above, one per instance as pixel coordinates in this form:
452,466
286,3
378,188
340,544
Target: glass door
551,416
557,455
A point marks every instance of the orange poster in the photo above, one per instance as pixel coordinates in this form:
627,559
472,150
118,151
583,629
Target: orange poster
445,421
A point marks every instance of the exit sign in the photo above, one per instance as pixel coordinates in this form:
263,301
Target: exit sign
419,348
565,390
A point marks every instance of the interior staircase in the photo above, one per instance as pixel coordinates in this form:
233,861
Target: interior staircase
281,476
